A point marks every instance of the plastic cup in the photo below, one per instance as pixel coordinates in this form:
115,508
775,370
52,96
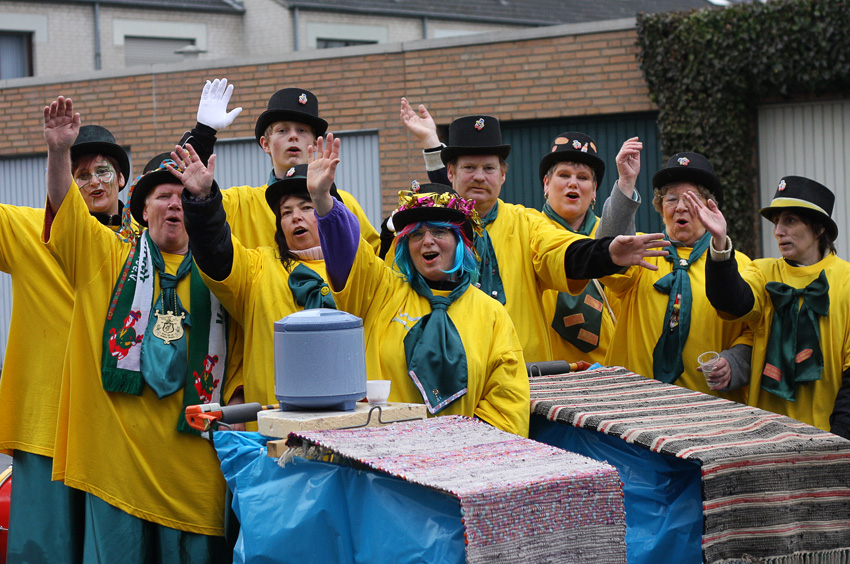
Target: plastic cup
377,391
707,361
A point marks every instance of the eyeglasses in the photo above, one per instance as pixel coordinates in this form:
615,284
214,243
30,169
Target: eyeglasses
438,233
673,200
103,174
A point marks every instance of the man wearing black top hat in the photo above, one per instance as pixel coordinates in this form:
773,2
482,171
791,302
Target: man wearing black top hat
147,339
285,130
45,514
523,255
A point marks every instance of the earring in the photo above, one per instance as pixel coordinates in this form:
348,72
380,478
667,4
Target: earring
593,204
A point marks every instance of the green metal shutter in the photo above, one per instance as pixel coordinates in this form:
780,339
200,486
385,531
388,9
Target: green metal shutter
530,140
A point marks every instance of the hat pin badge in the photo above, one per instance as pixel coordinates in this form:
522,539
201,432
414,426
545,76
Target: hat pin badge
683,161
576,144
290,172
479,124
302,99
782,185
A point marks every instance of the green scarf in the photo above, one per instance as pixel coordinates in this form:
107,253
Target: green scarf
436,359
667,356
578,319
489,279
165,367
309,290
793,349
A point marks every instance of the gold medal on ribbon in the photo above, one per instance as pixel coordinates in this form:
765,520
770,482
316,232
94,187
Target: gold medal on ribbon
168,327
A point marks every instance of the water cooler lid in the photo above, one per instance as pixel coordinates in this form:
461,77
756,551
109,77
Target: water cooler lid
320,319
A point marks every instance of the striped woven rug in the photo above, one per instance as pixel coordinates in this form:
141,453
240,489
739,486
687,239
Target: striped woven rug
521,501
775,490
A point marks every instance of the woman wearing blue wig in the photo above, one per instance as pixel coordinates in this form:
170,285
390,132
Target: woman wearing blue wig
429,330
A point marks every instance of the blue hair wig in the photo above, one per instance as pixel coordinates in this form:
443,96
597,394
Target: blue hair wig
464,261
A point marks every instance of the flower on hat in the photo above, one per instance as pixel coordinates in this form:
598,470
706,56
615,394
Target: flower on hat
683,161
409,199
302,99
576,144
782,185
291,171
479,124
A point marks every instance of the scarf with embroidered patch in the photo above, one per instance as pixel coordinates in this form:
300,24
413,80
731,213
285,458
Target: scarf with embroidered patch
133,355
578,319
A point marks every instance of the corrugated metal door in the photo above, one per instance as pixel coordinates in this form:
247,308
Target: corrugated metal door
242,162
811,140
530,140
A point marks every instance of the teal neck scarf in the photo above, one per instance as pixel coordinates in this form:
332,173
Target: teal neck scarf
309,290
793,349
578,319
667,356
436,359
164,361
489,279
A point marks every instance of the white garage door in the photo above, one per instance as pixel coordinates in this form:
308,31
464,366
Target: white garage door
811,140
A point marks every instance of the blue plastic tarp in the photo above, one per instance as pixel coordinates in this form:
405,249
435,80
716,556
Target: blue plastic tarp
663,494
314,511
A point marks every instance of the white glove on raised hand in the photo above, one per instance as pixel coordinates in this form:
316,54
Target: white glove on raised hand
212,109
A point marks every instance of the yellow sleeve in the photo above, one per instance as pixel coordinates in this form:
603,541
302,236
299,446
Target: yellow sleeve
506,401
548,249
83,247
368,282
366,230
234,291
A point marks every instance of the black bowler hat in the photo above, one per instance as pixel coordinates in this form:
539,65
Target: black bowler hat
293,182
802,193
474,135
291,104
690,167
576,147
433,202
97,140
154,174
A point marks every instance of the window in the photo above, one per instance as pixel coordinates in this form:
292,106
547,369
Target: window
153,50
15,54
322,43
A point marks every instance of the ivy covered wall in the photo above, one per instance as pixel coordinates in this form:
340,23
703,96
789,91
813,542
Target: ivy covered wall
708,69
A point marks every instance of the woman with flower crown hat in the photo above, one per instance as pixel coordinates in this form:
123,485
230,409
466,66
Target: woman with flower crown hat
439,339
797,306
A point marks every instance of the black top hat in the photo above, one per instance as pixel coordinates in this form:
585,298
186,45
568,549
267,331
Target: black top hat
425,205
97,140
576,147
802,193
154,174
690,167
474,135
291,104
293,182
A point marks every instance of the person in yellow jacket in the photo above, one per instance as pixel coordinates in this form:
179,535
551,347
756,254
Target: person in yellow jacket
436,337
285,130
520,255
665,320
797,305
38,333
147,339
257,286
581,327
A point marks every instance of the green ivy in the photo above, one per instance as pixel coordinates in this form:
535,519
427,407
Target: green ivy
708,69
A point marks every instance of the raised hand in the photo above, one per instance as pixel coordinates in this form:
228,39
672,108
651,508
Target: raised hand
195,176
322,162
61,124
212,109
421,125
628,250
628,164
710,216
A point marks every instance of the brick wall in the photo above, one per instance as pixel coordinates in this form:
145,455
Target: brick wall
531,74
